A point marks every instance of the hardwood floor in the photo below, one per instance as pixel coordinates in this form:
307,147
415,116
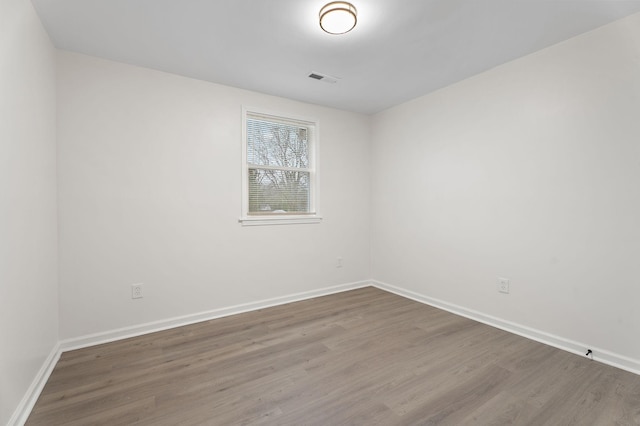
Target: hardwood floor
364,357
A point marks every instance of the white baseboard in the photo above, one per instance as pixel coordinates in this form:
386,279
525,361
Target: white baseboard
23,410
21,414
151,327
601,355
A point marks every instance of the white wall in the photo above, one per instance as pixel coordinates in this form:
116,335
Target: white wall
28,241
149,184
529,171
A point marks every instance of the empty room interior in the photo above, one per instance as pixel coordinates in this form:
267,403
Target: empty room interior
241,212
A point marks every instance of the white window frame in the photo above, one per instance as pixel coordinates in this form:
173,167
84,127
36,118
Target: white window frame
313,216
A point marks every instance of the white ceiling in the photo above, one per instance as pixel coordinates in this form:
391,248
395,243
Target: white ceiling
400,49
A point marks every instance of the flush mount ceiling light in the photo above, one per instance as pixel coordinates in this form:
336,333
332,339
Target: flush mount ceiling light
338,17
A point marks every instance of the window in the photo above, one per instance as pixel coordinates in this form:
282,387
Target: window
279,171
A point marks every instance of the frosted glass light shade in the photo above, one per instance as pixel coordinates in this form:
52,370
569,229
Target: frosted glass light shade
338,17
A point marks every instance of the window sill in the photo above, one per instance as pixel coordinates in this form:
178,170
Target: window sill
280,220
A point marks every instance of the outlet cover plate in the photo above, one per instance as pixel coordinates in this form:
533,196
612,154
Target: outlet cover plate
136,291
503,285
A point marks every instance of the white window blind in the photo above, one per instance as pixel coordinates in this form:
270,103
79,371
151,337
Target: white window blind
279,166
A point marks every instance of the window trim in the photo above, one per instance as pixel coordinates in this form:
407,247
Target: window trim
281,219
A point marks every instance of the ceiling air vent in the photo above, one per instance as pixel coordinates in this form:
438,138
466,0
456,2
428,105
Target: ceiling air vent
323,77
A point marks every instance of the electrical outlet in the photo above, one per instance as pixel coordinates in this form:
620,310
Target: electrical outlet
339,262
503,285
136,291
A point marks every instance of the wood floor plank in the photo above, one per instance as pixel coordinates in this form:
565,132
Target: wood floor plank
363,357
